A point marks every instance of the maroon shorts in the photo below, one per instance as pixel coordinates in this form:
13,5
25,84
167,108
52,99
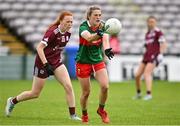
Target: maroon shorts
85,70
150,59
40,71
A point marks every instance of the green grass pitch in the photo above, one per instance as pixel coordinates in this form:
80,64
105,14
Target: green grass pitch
51,108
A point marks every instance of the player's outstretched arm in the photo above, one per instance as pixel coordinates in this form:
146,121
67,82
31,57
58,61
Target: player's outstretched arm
107,49
90,37
163,47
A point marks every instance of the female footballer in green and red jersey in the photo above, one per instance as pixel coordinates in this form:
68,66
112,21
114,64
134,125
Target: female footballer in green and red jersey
93,40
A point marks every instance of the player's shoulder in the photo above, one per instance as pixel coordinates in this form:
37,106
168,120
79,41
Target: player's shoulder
84,26
158,30
53,29
84,23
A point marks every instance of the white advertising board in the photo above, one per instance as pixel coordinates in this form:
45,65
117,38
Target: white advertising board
123,67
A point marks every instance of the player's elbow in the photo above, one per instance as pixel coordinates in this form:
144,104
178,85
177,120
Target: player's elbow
37,47
164,46
40,47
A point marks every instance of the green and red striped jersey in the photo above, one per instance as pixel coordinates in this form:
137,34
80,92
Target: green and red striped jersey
89,52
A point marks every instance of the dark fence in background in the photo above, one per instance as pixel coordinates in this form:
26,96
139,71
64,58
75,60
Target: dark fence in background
21,66
16,67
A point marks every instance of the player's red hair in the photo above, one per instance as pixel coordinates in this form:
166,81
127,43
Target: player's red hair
61,17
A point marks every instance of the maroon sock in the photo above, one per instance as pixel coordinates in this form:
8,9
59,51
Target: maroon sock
72,110
148,92
138,91
84,112
14,100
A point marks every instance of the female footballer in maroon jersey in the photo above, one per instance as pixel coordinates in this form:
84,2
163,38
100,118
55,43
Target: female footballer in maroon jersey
155,47
49,62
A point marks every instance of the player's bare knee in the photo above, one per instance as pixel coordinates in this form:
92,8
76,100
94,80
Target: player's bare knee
68,88
86,93
137,76
105,88
85,96
35,94
147,74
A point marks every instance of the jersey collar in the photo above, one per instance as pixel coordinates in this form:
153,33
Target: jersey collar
154,29
91,27
60,30
88,23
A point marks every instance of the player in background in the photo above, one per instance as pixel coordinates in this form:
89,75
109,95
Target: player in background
89,59
155,45
49,62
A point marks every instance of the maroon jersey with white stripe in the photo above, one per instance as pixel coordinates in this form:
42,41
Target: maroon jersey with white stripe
153,39
55,42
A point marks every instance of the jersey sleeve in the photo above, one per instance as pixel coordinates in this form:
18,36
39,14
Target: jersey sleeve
161,37
82,28
49,36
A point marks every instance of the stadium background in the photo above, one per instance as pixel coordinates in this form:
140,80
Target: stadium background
22,25
23,22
